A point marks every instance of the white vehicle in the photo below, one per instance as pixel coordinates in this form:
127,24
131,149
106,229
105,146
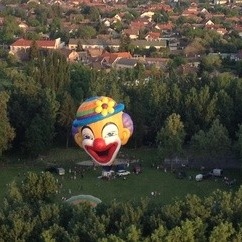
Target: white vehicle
60,171
199,177
122,173
216,172
107,173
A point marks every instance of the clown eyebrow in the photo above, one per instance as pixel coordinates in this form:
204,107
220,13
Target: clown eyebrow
108,124
86,127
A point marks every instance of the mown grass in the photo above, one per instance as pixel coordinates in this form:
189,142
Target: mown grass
165,184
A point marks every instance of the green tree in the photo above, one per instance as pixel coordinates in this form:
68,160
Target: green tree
37,108
66,115
39,187
125,44
225,109
86,32
94,14
210,63
199,109
55,233
238,143
171,137
28,209
190,230
215,141
159,234
155,96
33,51
223,232
9,29
132,234
239,68
7,133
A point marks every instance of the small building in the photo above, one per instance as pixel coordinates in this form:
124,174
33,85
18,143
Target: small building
24,44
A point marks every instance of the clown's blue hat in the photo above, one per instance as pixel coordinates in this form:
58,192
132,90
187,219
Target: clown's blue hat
95,109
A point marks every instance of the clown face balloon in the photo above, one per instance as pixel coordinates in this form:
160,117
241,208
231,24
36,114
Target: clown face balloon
101,127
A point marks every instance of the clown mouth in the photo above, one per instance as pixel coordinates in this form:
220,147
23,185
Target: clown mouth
104,155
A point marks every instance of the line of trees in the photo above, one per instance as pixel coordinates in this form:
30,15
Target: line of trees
40,98
30,213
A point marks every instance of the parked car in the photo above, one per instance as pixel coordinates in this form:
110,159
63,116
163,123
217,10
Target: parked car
122,173
57,170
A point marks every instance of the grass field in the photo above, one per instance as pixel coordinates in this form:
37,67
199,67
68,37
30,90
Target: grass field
166,186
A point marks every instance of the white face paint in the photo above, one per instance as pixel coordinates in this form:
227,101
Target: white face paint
102,149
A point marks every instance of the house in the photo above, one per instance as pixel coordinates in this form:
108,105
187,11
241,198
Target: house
160,7
23,26
117,18
106,22
140,24
132,33
192,10
174,44
114,34
159,63
114,44
71,55
220,2
110,59
125,63
148,15
83,57
164,27
94,52
153,36
221,31
94,43
238,28
23,44
143,44
209,23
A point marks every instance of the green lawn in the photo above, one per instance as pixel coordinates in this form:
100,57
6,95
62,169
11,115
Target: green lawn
165,184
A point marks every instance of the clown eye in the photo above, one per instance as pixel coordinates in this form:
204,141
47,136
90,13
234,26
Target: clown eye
87,134
110,130
87,137
110,134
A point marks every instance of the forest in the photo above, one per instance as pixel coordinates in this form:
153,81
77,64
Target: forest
201,111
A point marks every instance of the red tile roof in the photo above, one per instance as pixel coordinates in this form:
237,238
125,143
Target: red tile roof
111,57
153,35
40,43
138,24
165,26
160,6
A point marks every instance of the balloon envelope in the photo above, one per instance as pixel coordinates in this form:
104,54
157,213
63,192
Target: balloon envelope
94,201
101,127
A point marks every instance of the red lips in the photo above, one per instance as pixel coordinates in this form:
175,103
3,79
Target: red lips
101,152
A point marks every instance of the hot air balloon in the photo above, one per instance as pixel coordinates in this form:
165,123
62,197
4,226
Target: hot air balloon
101,128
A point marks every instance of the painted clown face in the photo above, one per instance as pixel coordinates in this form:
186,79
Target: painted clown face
103,137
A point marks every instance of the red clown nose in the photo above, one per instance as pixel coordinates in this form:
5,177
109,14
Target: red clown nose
99,144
